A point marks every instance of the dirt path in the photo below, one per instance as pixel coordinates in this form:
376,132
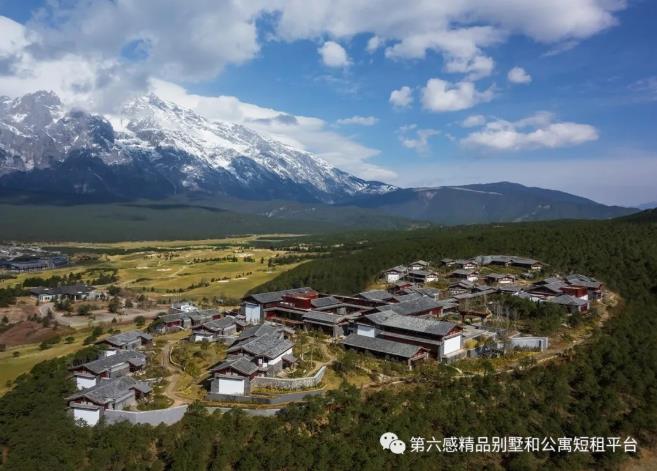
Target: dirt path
171,389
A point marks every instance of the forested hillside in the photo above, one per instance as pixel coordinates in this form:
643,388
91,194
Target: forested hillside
606,388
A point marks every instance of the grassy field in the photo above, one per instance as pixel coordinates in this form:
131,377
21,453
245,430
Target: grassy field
12,367
222,268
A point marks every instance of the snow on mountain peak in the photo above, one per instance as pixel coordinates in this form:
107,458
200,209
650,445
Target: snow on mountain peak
36,132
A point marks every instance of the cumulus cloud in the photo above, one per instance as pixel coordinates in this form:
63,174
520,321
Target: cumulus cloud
373,44
402,97
441,95
130,41
473,120
458,30
333,55
304,132
518,75
417,139
359,120
534,132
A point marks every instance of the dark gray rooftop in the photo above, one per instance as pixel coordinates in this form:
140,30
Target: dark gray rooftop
275,296
324,302
411,324
386,347
125,338
584,281
112,390
324,317
375,295
241,365
269,346
567,300
413,306
103,364
217,324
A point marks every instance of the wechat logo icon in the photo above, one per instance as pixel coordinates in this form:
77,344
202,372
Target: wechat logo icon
390,441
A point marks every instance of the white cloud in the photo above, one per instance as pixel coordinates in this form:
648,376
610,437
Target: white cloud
128,42
305,132
473,121
417,140
359,120
440,95
373,44
333,55
537,131
518,75
401,98
476,67
645,88
458,30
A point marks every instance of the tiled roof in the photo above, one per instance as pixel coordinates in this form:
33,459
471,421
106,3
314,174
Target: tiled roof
375,295
324,302
125,338
217,324
386,347
274,296
269,346
411,324
112,390
103,364
413,306
324,317
241,365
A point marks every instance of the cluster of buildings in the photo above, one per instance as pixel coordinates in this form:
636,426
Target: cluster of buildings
79,292
18,258
107,382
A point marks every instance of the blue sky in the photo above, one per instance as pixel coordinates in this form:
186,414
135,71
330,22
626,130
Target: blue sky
434,103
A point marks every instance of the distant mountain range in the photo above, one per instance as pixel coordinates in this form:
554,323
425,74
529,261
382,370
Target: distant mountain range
156,150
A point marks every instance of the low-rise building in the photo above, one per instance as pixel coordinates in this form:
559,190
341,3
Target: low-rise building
127,340
394,274
80,292
111,365
386,348
442,339
89,405
214,330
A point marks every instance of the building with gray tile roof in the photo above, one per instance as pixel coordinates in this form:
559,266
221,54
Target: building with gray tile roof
106,364
324,302
414,307
111,393
375,295
240,365
267,346
390,319
384,347
277,296
127,340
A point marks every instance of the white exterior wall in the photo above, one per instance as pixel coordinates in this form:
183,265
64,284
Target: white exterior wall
90,417
392,277
231,386
253,313
431,278
451,345
279,358
84,383
472,278
366,330
202,337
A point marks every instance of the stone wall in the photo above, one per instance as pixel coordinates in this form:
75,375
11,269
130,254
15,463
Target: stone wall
152,417
289,384
278,399
538,343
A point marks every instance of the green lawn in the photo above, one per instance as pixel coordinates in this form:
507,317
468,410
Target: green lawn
12,367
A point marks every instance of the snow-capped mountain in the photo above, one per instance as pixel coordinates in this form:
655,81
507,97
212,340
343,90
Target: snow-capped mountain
156,148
